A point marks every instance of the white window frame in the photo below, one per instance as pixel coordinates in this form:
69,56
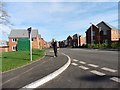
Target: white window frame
14,39
32,39
93,33
13,48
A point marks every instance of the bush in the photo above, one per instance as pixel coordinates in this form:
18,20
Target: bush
88,45
115,45
97,46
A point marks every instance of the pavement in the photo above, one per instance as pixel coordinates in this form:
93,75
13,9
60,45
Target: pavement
24,76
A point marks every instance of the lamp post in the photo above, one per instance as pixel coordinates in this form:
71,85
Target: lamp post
30,34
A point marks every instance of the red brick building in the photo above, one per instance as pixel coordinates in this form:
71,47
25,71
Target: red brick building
69,41
102,33
37,41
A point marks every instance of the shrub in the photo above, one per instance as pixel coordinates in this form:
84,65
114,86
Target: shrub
88,45
115,45
97,46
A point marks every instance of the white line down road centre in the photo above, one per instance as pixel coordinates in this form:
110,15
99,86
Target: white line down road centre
83,67
108,69
82,62
97,73
115,79
93,65
75,60
74,64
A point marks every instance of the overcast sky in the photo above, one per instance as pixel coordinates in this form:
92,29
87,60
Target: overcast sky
60,19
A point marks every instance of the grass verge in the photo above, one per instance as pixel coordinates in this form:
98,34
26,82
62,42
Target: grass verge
12,60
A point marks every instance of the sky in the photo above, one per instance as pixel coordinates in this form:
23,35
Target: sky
59,19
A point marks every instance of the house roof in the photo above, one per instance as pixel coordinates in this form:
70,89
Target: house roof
110,26
22,33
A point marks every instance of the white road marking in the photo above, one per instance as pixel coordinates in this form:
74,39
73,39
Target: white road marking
82,62
49,77
83,67
75,60
93,65
51,51
97,73
74,64
109,69
115,79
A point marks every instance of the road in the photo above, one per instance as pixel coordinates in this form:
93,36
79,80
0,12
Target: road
89,69
25,75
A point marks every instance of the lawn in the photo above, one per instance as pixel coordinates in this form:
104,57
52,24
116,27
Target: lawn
11,60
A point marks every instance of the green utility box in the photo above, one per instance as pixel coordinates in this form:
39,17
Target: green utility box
23,44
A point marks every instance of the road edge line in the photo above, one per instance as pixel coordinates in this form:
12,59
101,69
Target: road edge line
49,77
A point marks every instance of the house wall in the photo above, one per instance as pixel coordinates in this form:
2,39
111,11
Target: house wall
115,35
88,36
69,41
4,49
42,43
95,38
105,28
11,43
82,41
35,43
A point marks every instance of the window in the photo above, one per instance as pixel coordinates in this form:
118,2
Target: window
105,33
94,41
32,39
105,41
14,48
14,40
93,33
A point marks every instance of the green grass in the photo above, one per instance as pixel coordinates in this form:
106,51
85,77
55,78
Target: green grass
11,60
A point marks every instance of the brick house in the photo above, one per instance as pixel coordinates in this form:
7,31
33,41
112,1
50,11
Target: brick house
42,43
76,39
22,33
82,41
92,35
102,33
69,41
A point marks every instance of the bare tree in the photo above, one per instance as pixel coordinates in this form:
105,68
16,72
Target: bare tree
4,17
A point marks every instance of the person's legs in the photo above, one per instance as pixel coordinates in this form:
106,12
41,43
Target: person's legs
56,51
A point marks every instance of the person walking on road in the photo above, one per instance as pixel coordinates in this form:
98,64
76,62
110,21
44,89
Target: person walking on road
54,45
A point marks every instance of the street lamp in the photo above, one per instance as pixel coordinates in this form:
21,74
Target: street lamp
29,35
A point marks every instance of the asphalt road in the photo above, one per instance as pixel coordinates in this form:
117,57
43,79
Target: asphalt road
89,69
25,75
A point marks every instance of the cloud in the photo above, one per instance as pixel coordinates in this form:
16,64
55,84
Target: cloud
52,19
